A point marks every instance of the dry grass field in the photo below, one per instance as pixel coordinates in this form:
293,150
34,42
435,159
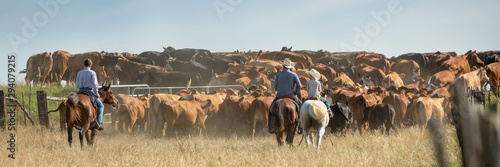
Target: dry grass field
407,147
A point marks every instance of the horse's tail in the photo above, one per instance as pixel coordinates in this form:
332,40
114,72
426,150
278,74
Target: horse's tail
278,112
63,104
316,112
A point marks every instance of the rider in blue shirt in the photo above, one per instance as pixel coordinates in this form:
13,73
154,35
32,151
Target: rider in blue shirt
86,81
287,83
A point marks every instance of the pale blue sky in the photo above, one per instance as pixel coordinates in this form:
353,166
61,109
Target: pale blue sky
136,26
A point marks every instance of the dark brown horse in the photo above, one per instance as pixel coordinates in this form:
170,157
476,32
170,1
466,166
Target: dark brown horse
284,117
81,113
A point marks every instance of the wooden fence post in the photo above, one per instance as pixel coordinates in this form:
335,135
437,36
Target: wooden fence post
43,115
2,111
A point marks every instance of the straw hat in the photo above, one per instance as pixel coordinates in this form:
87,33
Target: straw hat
288,63
314,73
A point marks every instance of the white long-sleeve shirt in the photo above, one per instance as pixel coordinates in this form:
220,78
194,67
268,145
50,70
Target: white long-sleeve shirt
313,88
87,78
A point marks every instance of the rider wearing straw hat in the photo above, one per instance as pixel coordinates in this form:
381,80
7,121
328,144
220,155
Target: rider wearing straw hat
314,88
287,83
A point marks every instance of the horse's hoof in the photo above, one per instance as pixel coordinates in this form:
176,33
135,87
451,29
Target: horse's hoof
271,131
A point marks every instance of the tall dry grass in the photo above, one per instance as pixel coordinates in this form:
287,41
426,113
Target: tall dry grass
407,147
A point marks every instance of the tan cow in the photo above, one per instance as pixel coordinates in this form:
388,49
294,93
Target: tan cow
132,114
60,64
409,68
38,68
424,109
493,73
301,61
182,115
392,79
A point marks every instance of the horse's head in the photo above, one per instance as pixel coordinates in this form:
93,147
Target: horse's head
107,95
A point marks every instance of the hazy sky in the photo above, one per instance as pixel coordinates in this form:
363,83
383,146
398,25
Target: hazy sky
390,27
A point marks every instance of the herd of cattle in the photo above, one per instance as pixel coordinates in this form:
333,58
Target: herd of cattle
366,90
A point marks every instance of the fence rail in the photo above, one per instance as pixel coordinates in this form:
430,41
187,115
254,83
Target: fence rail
207,88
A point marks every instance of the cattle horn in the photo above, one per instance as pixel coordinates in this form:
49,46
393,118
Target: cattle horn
188,84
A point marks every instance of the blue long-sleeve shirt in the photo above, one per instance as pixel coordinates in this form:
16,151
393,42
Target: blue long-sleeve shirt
87,79
287,83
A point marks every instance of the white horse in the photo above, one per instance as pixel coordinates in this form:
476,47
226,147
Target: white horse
313,118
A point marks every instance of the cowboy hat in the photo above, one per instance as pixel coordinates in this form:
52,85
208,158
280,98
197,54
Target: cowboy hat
287,63
314,73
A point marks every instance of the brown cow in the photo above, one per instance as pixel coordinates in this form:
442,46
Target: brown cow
342,80
409,68
357,104
457,65
128,71
400,103
38,68
471,81
182,115
375,74
423,109
373,59
132,114
60,64
493,73
154,104
75,64
325,70
473,59
443,78
258,113
435,62
302,61
392,79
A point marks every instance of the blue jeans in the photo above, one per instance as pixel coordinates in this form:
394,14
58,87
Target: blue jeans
100,106
326,103
269,113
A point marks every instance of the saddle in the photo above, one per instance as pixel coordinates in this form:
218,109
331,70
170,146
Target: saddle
291,98
92,100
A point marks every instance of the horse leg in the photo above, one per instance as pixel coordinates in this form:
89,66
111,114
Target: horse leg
92,136
85,128
321,132
279,137
87,136
70,134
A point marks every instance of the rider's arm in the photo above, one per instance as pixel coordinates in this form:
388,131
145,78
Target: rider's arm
296,80
94,86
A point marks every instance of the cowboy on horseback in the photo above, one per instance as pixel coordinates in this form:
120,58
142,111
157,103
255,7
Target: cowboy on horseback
86,81
314,88
287,84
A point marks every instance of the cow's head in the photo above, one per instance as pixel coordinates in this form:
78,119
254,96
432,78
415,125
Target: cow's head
109,61
208,106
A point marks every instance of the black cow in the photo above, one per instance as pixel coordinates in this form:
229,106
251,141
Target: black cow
159,58
170,78
205,72
220,66
492,59
342,118
186,54
379,114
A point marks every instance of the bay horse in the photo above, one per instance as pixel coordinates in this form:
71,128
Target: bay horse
313,118
80,112
284,117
